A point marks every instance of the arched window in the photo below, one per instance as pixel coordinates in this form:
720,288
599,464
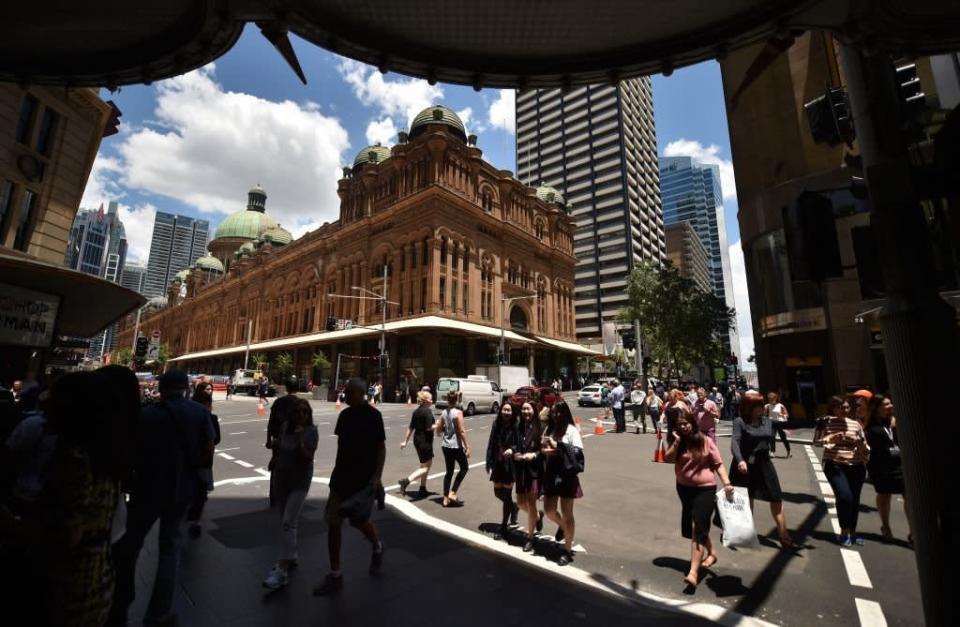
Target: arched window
538,230
486,200
541,305
443,251
486,289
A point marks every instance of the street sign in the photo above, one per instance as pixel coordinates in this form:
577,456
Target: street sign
155,336
153,352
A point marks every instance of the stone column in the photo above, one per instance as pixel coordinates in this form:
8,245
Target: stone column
433,290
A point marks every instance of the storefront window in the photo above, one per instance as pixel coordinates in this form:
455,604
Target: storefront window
769,277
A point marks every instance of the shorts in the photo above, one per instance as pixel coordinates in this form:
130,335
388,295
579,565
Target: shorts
357,507
697,506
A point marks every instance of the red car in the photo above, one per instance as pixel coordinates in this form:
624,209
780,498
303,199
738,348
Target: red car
544,393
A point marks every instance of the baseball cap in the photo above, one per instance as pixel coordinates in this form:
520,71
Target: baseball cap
174,378
864,394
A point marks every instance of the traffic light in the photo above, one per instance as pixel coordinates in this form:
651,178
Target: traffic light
331,324
811,234
647,363
629,340
142,344
829,118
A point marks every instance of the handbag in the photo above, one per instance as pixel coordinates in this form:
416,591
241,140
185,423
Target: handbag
573,459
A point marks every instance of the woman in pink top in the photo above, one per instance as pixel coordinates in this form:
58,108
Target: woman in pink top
696,458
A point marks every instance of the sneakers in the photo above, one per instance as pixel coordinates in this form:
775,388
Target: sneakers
376,561
403,485
528,546
276,578
850,540
329,585
565,558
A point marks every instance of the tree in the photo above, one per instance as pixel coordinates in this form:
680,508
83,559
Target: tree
283,363
163,356
681,324
122,356
259,361
320,362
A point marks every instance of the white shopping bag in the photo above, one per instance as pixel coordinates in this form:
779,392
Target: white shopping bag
737,518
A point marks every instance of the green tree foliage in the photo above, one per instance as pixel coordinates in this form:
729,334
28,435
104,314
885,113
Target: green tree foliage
319,361
681,325
259,361
122,356
283,363
163,356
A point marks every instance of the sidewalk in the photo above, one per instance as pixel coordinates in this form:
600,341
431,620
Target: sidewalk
429,577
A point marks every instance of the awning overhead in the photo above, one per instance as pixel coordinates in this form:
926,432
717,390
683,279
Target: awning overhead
425,322
87,304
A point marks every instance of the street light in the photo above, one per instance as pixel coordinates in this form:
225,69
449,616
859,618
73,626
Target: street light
503,314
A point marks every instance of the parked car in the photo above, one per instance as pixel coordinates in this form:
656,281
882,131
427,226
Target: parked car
545,394
475,393
592,395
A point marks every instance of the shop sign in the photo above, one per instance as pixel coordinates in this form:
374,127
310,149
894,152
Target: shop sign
27,317
798,321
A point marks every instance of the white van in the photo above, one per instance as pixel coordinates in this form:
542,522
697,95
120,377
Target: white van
475,394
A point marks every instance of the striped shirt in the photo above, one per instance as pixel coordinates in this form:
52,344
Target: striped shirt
843,441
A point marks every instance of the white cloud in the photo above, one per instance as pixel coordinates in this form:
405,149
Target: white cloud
706,154
138,225
465,115
502,113
742,304
220,143
399,100
101,187
381,132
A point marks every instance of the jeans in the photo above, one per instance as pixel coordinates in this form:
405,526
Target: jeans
620,418
778,428
847,482
142,513
291,516
451,456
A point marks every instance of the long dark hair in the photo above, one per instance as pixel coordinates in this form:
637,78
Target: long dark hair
498,426
874,406
695,442
560,419
298,407
522,423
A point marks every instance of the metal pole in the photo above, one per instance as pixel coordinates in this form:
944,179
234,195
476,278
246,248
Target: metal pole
503,305
383,328
919,328
246,353
136,333
336,379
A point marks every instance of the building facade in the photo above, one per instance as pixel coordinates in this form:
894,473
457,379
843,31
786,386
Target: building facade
177,242
691,192
439,233
688,255
134,277
597,145
813,338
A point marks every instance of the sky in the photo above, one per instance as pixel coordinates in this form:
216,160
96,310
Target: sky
193,145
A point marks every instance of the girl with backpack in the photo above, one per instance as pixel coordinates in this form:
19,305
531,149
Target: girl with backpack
562,447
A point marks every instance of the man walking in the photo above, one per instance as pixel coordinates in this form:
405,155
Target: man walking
616,397
175,440
355,483
638,406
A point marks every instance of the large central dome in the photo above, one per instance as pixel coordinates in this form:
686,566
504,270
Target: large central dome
247,226
438,114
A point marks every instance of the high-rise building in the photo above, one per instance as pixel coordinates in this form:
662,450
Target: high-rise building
688,255
597,145
97,246
134,277
691,192
177,242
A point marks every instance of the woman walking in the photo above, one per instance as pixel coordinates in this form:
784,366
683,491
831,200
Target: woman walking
421,427
654,408
884,466
752,467
290,482
563,450
526,469
500,449
203,394
778,416
845,454
455,449
696,458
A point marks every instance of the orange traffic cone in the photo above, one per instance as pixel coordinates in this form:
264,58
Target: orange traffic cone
658,454
261,408
598,430
338,402
579,426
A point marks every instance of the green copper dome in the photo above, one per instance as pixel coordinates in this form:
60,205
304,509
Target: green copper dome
247,249
550,195
372,154
278,236
209,263
438,114
182,275
245,224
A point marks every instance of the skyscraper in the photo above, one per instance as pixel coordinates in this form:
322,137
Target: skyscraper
176,243
598,146
98,246
133,277
691,192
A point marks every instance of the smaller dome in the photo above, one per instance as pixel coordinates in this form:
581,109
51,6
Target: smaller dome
257,189
182,275
278,236
372,154
550,195
247,248
438,114
209,263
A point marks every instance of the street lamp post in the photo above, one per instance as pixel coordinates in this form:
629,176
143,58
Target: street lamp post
503,309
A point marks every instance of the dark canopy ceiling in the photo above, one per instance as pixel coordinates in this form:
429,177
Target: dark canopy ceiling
485,43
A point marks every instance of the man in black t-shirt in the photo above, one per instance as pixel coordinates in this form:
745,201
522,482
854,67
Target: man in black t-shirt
355,482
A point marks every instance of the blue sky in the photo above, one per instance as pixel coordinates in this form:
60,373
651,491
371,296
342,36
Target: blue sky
194,144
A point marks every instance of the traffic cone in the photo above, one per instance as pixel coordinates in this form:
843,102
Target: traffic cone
261,408
658,455
338,402
598,430
579,426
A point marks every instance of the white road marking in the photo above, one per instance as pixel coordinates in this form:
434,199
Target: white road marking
323,423
836,525
243,463
225,456
856,571
820,476
826,488
870,613
239,433
239,422
262,471
232,448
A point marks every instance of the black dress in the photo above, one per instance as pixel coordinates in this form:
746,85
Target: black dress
886,471
422,424
751,444
501,439
527,473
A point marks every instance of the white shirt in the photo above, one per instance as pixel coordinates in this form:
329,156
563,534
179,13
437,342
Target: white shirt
572,437
775,411
637,396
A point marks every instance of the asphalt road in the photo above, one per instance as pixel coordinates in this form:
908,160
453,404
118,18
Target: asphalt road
628,523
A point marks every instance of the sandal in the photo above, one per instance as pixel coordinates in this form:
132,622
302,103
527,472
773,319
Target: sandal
691,580
707,563
787,543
